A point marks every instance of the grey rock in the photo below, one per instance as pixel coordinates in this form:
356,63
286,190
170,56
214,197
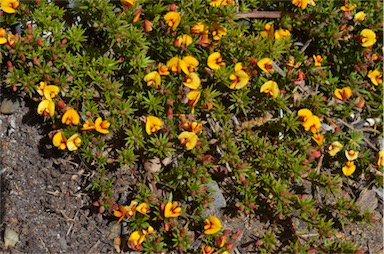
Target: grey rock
367,200
217,194
9,105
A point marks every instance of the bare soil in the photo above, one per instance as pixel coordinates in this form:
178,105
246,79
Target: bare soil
42,198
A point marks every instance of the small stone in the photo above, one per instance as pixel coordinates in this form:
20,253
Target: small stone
217,194
10,238
367,200
9,105
63,243
114,231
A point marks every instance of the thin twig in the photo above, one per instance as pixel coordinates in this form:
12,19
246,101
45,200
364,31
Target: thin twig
270,15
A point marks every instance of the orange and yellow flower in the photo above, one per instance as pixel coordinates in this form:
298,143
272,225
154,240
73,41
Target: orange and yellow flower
183,41
367,37
176,65
215,61
212,225
135,240
153,79
349,168
191,63
9,6
360,16
344,93
380,159
74,142
265,65
153,124
128,3
199,28
239,79
334,148
46,108
59,140
3,40
143,208
351,154
318,59
172,209
172,19
126,211
188,139
207,249
270,88
268,31
70,117
348,7
192,81
218,31
318,138
193,98
11,39
48,91
282,33
376,77
162,69
309,121
102,126
302,4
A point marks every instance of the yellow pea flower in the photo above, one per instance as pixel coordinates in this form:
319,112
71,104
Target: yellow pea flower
153,79
212,225
11,39
348,7
318,59
334,148
282,33
143,208
9,6
270,88
153,124
239,79
268,31
360,16
215,61
215,3
265,65
59,140
192,81
102,126
218,31
191,63
199,28
46,108
302,4
193,98
172,210
135,240
188,139
349,168
380,158
196,127
177,65
88,125
50,92
367,37
172,19
308,120
238,66
344,93
207,249
183,41
74,142
351,155
376,77
70,117
318,138
128,3
3,40
162,69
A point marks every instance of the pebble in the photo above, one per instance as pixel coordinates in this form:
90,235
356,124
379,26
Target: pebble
9,105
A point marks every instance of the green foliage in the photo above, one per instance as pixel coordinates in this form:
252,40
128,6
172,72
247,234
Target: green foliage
274,165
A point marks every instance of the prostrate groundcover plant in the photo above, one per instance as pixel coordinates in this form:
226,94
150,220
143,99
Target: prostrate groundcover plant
279,102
